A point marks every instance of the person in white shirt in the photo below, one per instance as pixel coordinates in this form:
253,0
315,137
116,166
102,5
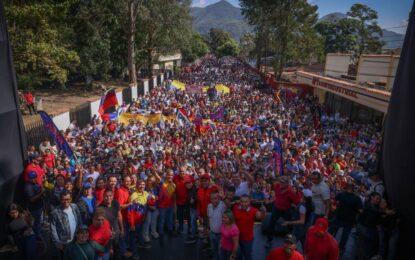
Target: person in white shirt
320,197
215,211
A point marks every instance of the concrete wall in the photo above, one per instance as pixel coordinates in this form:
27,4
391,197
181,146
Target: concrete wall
154,81
134,93
161,78
62,121
146,86
94,107
337,64
119,98
377,68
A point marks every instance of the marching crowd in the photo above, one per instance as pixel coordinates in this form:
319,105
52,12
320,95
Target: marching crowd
131,184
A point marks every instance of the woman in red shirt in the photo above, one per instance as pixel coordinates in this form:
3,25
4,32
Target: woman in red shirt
100,232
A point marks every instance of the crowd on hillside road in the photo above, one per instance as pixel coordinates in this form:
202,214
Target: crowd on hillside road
210,180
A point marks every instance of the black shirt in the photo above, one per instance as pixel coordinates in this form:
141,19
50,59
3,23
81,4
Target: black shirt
348,207
370,216
111,214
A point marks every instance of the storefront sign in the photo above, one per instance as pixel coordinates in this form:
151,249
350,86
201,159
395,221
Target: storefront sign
332,87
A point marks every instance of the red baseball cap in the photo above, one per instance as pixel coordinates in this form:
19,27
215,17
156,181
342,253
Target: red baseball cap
322,225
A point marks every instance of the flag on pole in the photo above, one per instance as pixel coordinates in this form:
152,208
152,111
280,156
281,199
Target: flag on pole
218,114
181,117
277,154
108,106
56,135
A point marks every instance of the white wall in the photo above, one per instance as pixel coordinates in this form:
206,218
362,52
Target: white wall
95,107
337,64
134,93
119,98
391,79
155,81
145,84
62,121
161,78
376,68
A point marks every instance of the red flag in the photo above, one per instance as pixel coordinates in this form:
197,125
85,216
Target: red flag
108,103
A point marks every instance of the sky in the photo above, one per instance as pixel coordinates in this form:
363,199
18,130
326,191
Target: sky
392,14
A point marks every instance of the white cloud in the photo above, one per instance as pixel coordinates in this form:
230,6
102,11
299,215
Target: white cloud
201,3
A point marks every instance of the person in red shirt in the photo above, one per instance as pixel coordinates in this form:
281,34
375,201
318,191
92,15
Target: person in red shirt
100,232
49,159
34,167
285,198
122,195
287,251
181,196
245,217
319,244
99,190
28,96
203,198
167,200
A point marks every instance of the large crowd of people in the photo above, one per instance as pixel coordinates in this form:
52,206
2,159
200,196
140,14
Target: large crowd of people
131,184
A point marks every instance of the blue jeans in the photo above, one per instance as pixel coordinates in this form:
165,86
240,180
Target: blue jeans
136,235
224,254
37,216
388,242
245,249
27,247
150,222
313,218
275,215
368,238
346,229
106,256
124,241
214,244
193,221
166,217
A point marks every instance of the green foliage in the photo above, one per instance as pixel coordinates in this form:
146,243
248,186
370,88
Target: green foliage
286,28
368,30
229,48
216,38
247,45
40,53
196,49
339,36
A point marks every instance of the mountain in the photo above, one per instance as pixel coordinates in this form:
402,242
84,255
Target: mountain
221,15
391,39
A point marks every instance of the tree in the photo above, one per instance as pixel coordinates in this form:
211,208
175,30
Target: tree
282,24
247,45
229,48
217,37
196,49
368,30
338,36
41,54
157,34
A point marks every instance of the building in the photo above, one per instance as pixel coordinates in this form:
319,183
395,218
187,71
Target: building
168,62
363,97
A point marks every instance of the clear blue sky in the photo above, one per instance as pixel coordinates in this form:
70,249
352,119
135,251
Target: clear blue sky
391,13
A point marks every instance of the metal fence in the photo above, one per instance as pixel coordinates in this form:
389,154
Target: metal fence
36,132
127,95
81,114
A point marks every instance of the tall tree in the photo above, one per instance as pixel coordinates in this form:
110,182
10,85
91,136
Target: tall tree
132,13
196,48
229,48
283,23
368,30
217,37
164,27
37,30
247,45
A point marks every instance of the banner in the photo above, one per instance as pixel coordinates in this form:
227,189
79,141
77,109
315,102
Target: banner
56,135
154,119
194,89
277,156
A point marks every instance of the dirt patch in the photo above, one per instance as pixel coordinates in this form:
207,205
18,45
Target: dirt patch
57,101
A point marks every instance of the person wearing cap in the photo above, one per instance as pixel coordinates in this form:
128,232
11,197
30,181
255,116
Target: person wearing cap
320,198
82,247
285,199
348,207
86,203
122,195
181,196
319,243
286,252
33,166
192,204
203,198
166,202
34,192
